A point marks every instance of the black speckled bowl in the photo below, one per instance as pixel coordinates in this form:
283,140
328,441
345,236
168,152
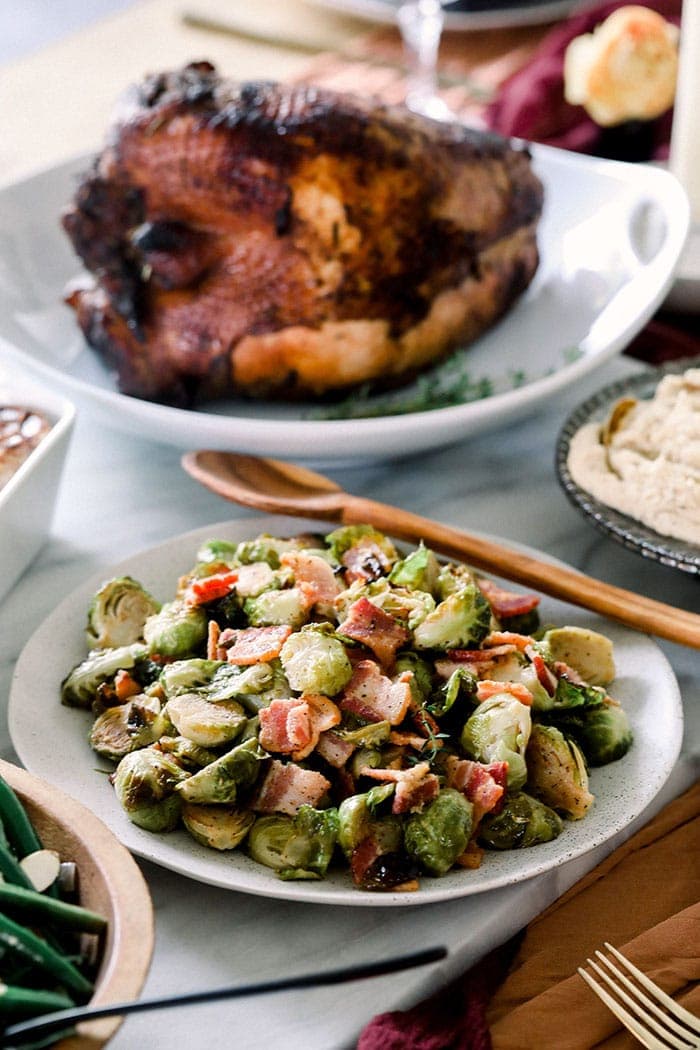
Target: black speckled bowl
677,554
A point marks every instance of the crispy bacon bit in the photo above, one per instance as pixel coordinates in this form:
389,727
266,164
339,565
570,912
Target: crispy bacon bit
563,670
365,560
376,629
313,576
214,652
545,677
253,645
210,588
334,749
488,687
482,785
497,640
125,686
410,740
374,697
287,787
506,603
424,722
472,856
479,661
293,725
414,786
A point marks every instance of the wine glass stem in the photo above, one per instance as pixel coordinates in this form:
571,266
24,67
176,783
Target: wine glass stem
421,23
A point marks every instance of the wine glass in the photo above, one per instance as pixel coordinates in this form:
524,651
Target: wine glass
421,23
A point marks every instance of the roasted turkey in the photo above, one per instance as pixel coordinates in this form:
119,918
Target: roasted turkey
284,241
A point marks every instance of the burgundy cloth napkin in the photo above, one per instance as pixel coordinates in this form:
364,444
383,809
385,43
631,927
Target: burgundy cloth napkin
530,103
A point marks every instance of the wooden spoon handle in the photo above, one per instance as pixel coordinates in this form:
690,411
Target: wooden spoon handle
633,610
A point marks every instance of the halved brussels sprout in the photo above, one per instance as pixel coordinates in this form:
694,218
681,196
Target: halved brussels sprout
275,607
408,606
118,612
436,836
79,687
217,551
296,847
347,536
419,570
556,772
522,821
203,722
218,827
371,735
587,651
460,621
358,819
452,577
265,548
422,674
178,630
187,676
498,731
603,732
222,780
145,783
126,727
185,752
315,661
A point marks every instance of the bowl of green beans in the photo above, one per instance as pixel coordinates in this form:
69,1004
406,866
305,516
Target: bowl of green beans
76,918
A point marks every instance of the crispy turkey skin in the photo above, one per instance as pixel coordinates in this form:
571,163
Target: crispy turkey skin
283,241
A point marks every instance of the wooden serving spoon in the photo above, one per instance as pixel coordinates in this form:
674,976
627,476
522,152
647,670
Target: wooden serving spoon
286,488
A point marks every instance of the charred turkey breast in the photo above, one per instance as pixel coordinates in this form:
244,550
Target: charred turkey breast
283,241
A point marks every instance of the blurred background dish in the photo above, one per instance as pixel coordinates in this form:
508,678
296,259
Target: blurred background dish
464,14
667,550
28,495
109,882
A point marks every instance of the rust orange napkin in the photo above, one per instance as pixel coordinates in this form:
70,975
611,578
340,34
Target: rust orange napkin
644,899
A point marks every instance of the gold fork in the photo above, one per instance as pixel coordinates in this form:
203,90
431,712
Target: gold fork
656,1020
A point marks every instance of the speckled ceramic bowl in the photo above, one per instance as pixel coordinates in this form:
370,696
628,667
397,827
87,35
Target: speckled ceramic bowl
110,883
632,534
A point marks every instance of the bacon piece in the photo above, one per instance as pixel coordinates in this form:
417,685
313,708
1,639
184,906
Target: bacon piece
410,740
365,560
482,785
414,786
287,787
545,677
334,749
374,697
472,856
313,576
210,588
253,645
378,630
253,578
214,652
488,687
293,725
497,640
563,670
479,661
125,686
506,603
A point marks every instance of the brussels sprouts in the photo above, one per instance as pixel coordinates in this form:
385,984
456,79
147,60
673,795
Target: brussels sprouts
78,688
203,722
275,607
187,676
315,661
186,753
556,772
217,551
498,731
218,827
460,621
460,686
126,727
358,819
422,674
372,735
452,577
436,836
410,607
231,681
522,821
296,847
178,630
222,780
118,612
264,548
587,651
145,783
419,570
603,733
347,536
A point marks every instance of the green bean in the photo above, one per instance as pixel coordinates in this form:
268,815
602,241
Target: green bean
11,870
18,939
16,1001
18,827
39,906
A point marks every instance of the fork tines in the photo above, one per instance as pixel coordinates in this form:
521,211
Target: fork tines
655,1019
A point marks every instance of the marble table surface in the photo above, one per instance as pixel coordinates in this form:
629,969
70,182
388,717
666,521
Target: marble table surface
121,494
